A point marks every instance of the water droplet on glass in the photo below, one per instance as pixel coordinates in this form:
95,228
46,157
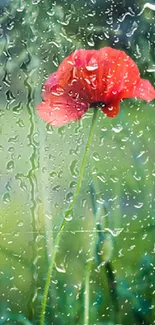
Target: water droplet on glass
60,269
133,29
10,165
6,198
101,177
90,41
69,217
20,224
139,205
35,2
73,168
118,128
72,184
96,156
69,197
114,232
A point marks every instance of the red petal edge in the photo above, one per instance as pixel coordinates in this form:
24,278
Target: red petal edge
60,110
144,90
111,110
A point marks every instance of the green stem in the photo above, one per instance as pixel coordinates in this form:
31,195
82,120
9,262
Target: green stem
87,279
58,238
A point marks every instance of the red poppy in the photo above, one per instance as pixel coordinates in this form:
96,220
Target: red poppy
91,78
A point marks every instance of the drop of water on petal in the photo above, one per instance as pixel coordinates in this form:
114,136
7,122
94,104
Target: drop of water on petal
92,68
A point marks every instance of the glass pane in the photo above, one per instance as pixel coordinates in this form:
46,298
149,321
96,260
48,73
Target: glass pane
76,234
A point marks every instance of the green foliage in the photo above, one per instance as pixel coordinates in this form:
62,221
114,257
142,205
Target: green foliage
39,168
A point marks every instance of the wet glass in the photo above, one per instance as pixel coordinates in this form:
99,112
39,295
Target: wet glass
112,221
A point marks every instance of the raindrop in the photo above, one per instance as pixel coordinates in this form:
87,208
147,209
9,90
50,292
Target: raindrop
60,269
118,128
90,259
92,67
14,139
20,224
120,254
53,174
10,165
137,178
56,188
69,197
20,123
48,216
9,96
11,149
72,184
90,41
51,12
139,205
49,129
114,179
6,198
35,2
22,6
55,60
101,177
17,109
147,5
10,25
131,248
96,156
141,154
7,79
125,139
114,232
133,29
69,218
73,168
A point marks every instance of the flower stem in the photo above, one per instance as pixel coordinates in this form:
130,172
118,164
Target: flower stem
87,278
69,210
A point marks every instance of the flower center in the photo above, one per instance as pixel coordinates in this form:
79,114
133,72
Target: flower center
97,104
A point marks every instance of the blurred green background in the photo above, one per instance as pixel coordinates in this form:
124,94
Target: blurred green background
39,167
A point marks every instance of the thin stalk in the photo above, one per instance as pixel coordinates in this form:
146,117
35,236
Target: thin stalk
64,220
87,277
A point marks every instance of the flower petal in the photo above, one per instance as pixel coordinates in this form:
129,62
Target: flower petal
98,75
77,73
58,110
144,90
88,77
117,72
50,84
111,110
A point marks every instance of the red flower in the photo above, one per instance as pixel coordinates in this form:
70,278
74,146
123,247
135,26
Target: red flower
91,78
